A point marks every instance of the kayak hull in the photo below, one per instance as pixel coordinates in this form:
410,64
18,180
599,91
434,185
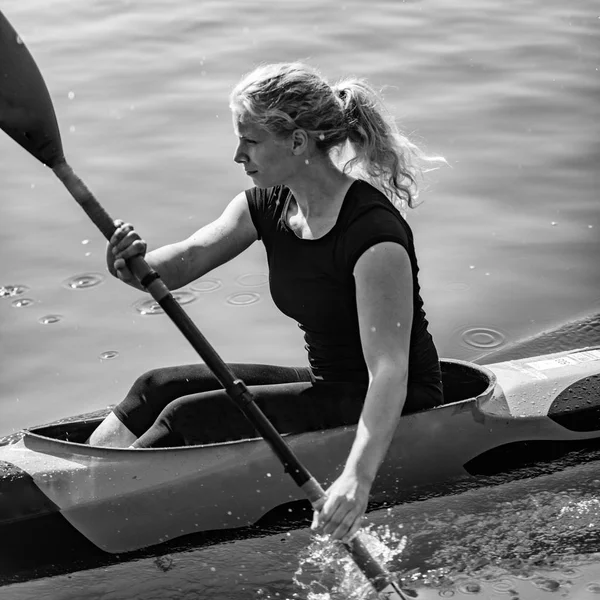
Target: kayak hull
122,500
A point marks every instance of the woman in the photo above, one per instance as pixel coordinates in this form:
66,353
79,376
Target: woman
341,263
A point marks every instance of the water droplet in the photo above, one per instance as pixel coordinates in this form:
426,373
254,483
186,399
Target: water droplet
149,306
471,266
548,585
446,593
50,319
572,572
22,302
554,223
593,587
482,337
109,355
84,281
470,587
243,298
7,291
206,285
19,40
253,279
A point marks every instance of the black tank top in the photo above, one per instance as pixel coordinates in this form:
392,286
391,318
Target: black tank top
311,281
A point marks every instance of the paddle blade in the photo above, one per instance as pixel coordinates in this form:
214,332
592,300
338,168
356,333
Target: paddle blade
26,111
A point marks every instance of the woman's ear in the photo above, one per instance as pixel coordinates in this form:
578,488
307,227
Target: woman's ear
299,141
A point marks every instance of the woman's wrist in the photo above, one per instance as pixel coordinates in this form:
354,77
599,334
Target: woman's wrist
363,474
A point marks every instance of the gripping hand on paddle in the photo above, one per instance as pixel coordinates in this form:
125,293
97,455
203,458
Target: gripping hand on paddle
344,507
124,244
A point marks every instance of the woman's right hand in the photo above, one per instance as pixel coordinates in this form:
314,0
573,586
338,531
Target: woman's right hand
124,244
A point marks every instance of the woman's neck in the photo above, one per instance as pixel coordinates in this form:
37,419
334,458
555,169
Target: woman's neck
319,189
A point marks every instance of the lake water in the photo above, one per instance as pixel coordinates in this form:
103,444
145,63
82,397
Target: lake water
507,237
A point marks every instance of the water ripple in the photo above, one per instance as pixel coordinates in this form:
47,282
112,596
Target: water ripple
50,319
206,285
22,302
483,337
253,279
149,306
243,298
84,281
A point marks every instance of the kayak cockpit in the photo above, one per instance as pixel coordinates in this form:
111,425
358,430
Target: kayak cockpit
462,382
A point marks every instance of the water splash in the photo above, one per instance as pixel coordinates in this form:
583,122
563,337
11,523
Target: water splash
511,541
326,571
8,291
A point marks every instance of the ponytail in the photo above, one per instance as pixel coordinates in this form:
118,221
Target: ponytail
382,155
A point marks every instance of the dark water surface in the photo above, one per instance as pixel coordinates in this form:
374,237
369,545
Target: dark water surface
508,235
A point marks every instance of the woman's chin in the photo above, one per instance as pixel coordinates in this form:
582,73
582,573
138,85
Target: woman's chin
259,181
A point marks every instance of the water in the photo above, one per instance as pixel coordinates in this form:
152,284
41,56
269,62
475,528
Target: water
507,236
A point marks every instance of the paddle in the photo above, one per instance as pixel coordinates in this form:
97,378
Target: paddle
27,115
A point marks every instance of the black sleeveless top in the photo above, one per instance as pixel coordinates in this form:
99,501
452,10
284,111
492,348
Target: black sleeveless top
311,281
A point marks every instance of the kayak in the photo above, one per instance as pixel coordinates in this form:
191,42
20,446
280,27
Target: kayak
118,500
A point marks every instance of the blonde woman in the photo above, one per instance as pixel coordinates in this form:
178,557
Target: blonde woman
341,262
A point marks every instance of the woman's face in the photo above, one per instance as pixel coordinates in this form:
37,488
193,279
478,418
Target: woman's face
267,159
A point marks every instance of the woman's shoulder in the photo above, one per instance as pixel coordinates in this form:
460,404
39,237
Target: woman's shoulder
265,206
371,219
372,209
263,198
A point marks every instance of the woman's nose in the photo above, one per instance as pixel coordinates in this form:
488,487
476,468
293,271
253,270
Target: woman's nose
239,156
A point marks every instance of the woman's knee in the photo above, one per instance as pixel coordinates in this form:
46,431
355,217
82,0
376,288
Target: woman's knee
152,381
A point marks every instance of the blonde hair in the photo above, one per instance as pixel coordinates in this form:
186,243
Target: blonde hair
348,118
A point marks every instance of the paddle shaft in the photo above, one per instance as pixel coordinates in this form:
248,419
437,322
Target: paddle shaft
235,388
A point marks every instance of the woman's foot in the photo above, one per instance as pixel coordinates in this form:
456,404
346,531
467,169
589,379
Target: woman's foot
112,433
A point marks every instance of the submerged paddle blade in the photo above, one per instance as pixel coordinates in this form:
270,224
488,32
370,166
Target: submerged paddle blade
26,111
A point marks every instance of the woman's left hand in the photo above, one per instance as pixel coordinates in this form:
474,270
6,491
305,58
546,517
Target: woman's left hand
345,504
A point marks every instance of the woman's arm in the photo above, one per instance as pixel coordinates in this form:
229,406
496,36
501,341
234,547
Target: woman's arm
384,296
182,262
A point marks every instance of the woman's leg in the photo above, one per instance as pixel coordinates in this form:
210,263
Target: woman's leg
154,390
292,408
111,433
